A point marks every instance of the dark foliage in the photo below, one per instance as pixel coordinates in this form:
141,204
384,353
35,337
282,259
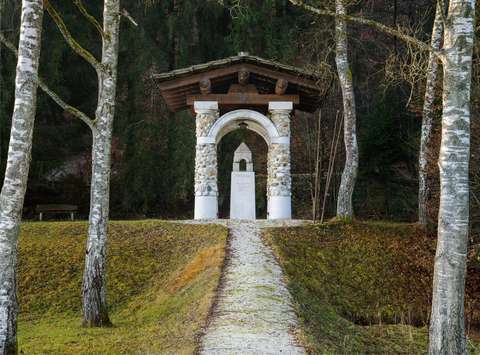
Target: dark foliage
153,150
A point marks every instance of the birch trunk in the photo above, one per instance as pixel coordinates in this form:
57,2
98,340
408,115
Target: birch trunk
18,163
349,175
427,119
447,325
95,308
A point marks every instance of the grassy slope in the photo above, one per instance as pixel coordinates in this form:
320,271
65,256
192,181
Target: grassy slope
162,279
360,287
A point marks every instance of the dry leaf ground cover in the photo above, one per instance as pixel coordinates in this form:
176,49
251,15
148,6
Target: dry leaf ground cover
162,279
366,287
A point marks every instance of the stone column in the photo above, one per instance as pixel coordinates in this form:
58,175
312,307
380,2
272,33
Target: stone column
206,189
279,184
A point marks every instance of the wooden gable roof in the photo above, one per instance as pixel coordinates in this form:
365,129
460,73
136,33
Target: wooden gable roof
181,87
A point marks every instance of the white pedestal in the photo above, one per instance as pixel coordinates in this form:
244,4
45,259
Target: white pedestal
280,207
206,207
242,196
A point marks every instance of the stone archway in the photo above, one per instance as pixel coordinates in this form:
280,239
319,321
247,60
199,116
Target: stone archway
210,128
255,121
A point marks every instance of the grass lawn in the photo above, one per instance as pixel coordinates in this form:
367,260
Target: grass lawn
365,287
162,279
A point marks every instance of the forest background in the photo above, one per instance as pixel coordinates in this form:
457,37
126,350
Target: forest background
154,150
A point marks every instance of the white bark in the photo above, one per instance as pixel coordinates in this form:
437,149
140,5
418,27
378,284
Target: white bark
349,175
18,163
428,111
95,309
447,328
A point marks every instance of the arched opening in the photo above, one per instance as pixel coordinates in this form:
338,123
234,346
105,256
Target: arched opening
245,119
229,131
208,197
243,165
225,151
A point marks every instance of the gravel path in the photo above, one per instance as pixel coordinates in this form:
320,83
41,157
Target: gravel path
254,313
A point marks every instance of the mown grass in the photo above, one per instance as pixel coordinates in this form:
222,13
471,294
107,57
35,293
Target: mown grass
162,279
364,287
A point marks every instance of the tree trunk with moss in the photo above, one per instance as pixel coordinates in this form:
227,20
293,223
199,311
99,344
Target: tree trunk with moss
447,325
95,307
18,164
349,175
427,119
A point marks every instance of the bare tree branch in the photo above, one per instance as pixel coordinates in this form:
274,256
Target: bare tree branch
90,18
74,111
60,102
371,23
443,11
77,48
129,17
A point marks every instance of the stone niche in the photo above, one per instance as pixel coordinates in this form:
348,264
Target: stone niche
242,196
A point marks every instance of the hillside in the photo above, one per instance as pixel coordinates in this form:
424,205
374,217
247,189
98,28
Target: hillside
161,281
357,288
366,287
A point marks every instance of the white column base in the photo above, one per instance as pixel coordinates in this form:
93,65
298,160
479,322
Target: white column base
280,207
206,207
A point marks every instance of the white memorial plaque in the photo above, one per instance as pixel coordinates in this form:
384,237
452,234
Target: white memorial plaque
242,198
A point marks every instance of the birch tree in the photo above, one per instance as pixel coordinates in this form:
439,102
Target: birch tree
349,175
18,163
428,113
447,324
95,309
94,289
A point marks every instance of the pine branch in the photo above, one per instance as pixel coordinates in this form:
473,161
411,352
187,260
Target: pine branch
77,48
60,102
90,18
371,23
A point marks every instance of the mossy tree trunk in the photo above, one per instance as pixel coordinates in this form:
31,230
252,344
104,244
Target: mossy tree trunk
427,119
349,175
95,307
18,164
447,325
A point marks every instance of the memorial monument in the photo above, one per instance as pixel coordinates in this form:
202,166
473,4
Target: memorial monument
242,195
226,94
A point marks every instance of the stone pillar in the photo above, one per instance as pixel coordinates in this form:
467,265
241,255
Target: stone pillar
206,189
279,183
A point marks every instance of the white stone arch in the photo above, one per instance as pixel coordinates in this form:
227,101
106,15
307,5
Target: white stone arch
276,133
255,121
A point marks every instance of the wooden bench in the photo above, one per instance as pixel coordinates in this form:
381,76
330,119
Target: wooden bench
56,209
